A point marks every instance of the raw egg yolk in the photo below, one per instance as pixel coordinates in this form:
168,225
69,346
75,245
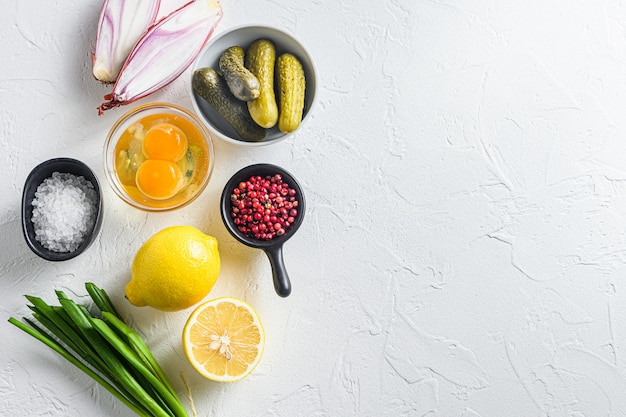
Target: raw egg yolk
165,141
159,179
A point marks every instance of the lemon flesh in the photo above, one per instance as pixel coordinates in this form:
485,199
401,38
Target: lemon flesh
224,339
174,269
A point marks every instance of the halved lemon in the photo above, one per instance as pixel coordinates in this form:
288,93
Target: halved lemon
224,339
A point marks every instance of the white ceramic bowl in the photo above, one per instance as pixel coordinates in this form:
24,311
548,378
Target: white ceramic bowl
243,36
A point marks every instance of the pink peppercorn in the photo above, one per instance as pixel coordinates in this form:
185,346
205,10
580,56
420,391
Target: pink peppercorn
263,207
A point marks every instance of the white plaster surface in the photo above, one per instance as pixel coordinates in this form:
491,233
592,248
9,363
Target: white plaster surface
463,253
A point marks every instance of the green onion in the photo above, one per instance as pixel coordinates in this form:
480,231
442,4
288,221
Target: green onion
102,300
67,355
106,349
139,346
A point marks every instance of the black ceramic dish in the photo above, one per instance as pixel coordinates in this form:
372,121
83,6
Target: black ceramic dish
272,248
34,179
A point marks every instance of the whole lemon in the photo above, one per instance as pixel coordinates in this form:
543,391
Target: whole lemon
174,269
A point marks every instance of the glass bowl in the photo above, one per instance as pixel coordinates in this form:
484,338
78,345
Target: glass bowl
124,154
243,36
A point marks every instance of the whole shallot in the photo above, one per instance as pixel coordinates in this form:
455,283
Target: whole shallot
164,52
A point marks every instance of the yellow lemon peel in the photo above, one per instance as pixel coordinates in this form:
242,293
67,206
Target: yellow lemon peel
174,269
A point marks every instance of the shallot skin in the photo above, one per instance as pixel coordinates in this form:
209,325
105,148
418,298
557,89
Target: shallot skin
121,23
164,52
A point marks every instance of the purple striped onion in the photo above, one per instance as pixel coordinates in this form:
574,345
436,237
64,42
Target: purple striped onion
121,23
164,52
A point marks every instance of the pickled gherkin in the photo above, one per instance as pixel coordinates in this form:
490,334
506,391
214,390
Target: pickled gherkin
291,85
260,60
209,85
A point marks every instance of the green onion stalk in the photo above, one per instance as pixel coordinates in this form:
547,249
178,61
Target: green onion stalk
105,348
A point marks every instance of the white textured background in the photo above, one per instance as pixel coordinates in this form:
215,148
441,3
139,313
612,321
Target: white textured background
463,253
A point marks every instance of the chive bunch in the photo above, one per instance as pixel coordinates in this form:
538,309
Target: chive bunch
106,349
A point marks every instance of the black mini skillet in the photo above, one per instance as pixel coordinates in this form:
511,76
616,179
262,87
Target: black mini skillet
273,248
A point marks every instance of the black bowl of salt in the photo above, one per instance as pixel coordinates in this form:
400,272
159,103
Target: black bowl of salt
61,209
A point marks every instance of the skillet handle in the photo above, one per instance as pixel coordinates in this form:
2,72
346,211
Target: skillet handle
282,285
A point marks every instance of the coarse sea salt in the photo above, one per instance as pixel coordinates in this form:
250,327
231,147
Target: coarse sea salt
64,211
